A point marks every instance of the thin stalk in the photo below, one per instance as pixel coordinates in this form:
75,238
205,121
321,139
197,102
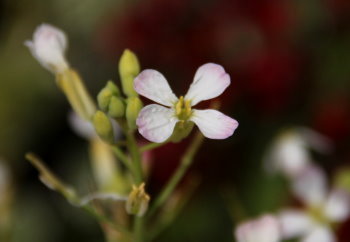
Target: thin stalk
134,151
123,158
151,146
104,219
138,229
135,155
170,215
186,161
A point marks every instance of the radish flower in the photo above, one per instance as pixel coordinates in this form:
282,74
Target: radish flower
323,208
48,46
156,123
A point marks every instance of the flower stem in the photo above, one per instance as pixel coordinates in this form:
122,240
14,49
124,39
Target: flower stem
138,229
151,146
135,155
171,214
126,161
186,161
103,219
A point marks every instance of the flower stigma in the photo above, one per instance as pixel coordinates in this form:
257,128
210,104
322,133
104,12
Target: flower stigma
183,109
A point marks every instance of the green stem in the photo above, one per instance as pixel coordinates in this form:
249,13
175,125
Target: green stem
126,161
170,214
138,229
151,146
106,220
186,161
135,155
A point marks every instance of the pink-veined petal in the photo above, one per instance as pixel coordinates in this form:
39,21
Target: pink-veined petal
264,229
209,82
214,124
153,85
310,186
294,223
337,207
320,234
156,123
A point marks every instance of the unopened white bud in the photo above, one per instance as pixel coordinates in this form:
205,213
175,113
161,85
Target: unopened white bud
48,46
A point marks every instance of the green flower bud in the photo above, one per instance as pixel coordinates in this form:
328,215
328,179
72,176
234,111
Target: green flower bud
129,68
133,107
105,95
116,108
138,200
103,99
103,126
113,88
109,101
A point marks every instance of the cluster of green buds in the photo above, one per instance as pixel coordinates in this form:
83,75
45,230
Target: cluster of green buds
110,101
113,104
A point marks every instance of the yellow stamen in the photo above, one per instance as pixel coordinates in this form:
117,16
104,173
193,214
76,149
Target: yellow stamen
178,106
183,109
188,107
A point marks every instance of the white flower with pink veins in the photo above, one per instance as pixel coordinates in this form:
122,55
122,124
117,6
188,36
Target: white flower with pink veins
156,123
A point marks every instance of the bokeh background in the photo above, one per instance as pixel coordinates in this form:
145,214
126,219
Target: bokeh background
289,61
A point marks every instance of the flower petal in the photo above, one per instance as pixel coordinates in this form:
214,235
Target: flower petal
156,123
294,223
153,85
101,196
81,127
316,141
337,207
209,82
48,46
264,229
288,154
310,186
214,124
320,234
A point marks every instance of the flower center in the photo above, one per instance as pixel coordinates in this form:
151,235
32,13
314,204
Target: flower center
318,215
183,109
